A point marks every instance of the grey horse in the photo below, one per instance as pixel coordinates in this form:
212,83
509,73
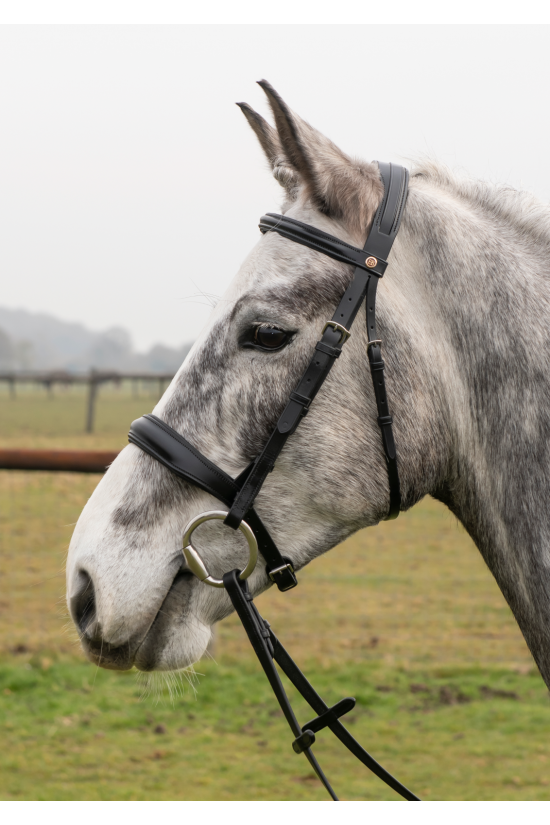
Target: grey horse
463,309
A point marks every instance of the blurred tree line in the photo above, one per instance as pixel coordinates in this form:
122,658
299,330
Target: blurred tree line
34,341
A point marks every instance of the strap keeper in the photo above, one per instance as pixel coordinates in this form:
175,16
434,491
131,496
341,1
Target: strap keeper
334,352
303,400
377,365
385,420
304,741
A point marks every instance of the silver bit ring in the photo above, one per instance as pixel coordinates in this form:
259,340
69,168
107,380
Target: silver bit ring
194,561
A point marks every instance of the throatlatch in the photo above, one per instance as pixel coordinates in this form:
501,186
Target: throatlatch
172,450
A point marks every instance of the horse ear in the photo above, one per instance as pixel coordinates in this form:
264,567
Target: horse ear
270,143
346,189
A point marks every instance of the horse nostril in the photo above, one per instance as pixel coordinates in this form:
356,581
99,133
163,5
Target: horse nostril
83,602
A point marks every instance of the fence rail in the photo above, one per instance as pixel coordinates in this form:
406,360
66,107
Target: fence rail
68,461
63,377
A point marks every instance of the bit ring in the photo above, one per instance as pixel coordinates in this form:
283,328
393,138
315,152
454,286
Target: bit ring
194,561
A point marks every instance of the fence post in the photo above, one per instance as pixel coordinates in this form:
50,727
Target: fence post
92,394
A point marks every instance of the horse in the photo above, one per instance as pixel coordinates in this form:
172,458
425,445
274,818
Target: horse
463,314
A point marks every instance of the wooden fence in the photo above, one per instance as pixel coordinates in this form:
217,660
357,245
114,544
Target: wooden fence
93,380
67,461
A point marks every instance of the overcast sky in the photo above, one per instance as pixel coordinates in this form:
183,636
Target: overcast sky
130,181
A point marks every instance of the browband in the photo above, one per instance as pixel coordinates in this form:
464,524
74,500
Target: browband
372,258
310,236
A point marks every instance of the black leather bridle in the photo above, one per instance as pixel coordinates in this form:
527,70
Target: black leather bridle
168,447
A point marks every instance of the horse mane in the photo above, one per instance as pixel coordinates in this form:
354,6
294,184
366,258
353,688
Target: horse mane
521,210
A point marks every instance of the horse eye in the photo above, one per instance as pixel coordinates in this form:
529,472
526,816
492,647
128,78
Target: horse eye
270,337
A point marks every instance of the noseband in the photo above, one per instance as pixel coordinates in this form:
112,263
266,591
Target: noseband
168,447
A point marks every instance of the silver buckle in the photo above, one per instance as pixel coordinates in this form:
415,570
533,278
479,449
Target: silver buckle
373,344
279,570
345,333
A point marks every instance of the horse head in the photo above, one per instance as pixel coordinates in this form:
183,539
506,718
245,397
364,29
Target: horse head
130,593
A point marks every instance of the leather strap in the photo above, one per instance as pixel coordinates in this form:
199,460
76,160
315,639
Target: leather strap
387,220
385,421
381,237
172,450
310,236
167,446
268,648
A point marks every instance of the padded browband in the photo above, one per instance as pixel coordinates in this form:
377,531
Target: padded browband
327,244
381,236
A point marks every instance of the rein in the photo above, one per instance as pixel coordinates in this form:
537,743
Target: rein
164,444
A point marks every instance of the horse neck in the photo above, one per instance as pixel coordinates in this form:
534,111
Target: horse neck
478,356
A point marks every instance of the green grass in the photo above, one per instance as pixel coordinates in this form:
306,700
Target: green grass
72,733
35,419
405,617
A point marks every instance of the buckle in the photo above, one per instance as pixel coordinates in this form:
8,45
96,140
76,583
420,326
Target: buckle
345,333
374,344
284,568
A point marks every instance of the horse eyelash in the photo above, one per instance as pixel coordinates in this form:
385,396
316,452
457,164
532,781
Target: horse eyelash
248,337
266,325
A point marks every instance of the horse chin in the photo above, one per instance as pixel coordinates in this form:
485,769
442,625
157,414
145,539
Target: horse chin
108,663
174,649
155,653
166,647
177,638
163,649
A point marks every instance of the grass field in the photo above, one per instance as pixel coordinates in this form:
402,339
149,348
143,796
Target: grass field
405,617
